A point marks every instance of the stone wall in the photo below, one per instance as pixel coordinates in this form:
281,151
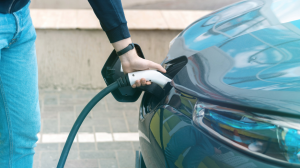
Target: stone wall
73,59
72,48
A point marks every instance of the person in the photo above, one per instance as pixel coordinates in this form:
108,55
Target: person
19,101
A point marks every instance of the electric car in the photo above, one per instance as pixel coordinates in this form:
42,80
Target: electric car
234,98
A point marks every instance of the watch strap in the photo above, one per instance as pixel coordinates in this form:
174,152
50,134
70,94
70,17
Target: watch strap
125,50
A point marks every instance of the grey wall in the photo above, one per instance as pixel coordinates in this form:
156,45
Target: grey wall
73,59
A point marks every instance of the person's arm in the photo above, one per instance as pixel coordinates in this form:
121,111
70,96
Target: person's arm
132,62
112,19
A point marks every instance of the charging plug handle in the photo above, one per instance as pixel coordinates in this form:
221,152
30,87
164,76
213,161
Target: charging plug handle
157,88
149,75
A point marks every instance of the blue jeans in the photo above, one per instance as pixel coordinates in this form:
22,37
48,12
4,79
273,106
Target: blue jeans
19,103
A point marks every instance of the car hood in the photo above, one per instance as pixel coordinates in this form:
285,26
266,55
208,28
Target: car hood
246,54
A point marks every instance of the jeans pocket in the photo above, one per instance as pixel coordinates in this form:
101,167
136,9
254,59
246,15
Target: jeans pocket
7,24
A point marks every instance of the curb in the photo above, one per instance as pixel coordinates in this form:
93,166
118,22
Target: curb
136,19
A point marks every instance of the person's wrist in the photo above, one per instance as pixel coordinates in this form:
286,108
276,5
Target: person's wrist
126,49
129,56
120,45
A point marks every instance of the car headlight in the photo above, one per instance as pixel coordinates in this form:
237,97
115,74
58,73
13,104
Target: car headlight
266,136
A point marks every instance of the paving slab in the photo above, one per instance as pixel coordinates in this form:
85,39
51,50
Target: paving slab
88,163
97,154
125,157
108,138
108,163
50,125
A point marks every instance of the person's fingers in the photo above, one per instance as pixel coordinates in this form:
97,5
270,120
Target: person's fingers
146,83
154,65
137,83
143,81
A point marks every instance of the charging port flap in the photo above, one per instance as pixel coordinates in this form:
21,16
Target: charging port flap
112,71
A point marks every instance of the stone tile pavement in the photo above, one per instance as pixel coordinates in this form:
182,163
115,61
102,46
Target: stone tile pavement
108,138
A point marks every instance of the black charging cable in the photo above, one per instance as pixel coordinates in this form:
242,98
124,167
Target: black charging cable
121,82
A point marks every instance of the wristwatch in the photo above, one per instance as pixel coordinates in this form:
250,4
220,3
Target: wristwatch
125,50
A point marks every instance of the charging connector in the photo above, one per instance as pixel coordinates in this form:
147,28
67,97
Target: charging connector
149,75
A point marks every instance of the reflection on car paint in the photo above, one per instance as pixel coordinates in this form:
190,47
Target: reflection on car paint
245,54
268,59
263,46
248,131
184,145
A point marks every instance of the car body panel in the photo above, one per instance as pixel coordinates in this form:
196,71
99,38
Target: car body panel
265,74
247,55
176,142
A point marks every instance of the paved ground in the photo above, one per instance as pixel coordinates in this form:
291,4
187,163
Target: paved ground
108,137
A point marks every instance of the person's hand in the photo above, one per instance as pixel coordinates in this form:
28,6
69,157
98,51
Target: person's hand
131,62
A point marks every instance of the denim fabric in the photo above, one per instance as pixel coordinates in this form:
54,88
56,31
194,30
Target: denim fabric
19,105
